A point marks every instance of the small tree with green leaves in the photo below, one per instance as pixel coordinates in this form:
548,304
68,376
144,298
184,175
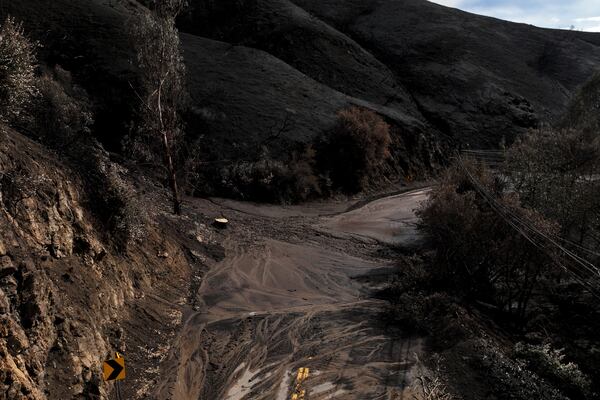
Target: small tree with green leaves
17,70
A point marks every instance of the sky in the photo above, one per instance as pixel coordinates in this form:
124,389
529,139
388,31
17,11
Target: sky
583,15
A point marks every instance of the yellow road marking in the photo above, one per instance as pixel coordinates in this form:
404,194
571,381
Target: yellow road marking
300,378
302,374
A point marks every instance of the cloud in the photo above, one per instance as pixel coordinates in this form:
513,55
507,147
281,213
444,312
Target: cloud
450,3
590,19
581,14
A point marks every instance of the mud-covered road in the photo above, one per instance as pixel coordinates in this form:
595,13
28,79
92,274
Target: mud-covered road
295,290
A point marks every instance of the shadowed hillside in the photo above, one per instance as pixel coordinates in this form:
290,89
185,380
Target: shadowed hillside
461,78
475,78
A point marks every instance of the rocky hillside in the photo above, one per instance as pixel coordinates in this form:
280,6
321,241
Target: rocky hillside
70,292
279,66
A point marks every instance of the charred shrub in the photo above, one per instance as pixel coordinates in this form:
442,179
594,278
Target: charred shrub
115,202
258,180
551,364
111,197
343,160
584,111
304,183
478,255
417,308
126,218
17,70
268,179
355,149
62,111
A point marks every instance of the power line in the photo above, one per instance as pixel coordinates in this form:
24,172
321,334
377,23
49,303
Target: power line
502,163
526,228
582,268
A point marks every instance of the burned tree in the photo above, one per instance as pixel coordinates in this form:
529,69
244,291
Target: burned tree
17,70
161,73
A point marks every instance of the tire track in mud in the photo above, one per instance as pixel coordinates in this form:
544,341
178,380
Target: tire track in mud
273,306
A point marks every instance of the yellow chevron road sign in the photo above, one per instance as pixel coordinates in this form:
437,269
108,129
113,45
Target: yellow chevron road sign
114,369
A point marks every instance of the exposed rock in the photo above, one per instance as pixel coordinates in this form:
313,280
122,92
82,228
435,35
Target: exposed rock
68,297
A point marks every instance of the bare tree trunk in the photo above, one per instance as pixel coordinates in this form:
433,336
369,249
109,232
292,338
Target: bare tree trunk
172,174
168,155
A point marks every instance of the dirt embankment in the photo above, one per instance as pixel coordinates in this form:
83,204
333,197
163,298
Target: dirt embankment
68,297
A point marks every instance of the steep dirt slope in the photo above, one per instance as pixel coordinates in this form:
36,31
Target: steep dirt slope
255,100
308,44
68,297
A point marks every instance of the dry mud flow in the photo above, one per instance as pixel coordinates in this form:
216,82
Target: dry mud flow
296,292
